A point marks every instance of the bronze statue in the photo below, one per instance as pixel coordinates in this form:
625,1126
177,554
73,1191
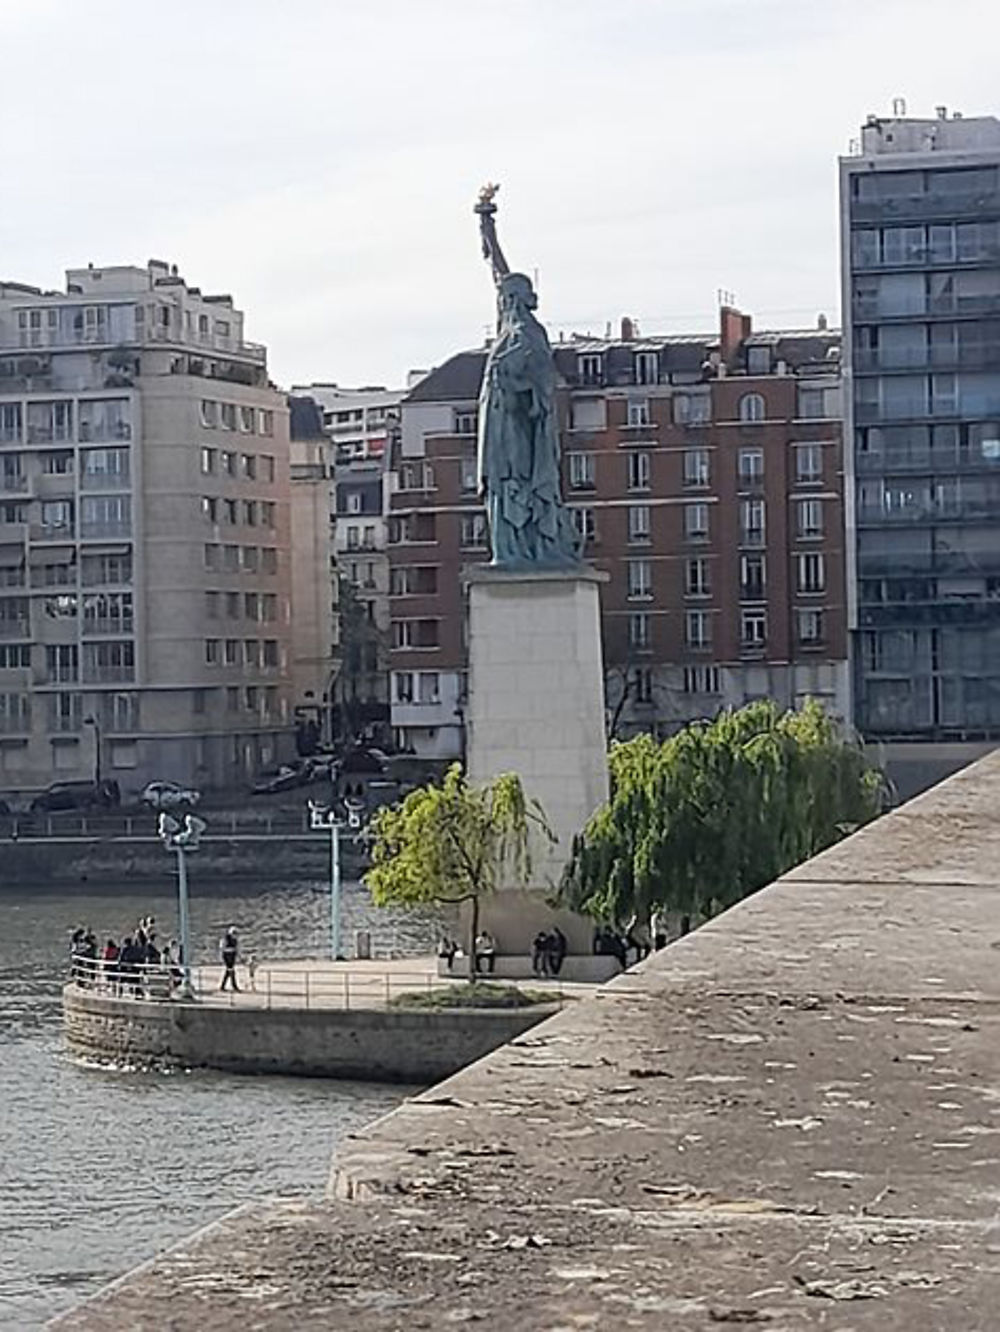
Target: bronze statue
518,430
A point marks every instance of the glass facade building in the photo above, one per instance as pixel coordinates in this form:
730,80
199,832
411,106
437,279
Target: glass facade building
920,212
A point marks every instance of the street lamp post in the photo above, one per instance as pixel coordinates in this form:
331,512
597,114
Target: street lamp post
182,838
323,818
92,721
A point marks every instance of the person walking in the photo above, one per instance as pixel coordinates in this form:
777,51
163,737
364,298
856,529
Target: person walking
229,951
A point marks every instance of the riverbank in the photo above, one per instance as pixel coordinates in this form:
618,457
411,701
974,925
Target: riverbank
788,1115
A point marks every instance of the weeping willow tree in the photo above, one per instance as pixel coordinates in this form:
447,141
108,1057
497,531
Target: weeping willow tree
697,823
454,843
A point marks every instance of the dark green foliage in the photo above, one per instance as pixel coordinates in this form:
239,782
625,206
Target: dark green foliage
719,810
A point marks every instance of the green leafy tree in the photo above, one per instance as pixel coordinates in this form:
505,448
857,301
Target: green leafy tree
454,843
699,822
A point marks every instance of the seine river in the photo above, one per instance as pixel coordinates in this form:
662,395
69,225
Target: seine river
101,1167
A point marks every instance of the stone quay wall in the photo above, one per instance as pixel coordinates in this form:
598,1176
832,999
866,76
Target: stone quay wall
789,1119
370,1045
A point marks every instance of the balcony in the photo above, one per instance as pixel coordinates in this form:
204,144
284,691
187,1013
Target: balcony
56,532
943,205
984,356
108,674
13,485
931,614
923,460
105,531
924,257
873,413
15,629
109,626
104,432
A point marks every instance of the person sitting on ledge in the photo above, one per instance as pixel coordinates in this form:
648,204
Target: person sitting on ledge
557,949
540,953
486,951
447,949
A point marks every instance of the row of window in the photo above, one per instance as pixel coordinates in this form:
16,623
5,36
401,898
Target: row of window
416,687
697,467
102,611
697,518
101,662
810,628
813,403
233,511
99,468
237,416
100,515
361,537
262,606
259,654
245,466
97,419
219,558
94,571
810,570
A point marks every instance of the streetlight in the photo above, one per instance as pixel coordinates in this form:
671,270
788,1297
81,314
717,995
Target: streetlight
92,721
321,818
182,838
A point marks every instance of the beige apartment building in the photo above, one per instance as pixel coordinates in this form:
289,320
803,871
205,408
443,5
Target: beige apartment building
145,572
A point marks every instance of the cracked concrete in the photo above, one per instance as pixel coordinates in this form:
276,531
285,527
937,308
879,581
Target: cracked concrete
790,1119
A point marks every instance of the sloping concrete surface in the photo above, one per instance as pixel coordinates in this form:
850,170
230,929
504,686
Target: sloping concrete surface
790,1119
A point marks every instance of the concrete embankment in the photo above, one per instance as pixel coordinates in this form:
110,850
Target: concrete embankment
369,1044
789,1119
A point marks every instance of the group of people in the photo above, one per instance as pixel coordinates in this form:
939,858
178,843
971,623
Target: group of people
484,951
639,937
134,966
548,948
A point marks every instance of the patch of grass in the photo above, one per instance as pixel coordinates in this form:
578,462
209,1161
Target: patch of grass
480,994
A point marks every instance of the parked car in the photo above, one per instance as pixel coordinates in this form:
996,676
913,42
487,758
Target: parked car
169,795
291,775
62,796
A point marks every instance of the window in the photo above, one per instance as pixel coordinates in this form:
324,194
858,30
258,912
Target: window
231,651
753,578
250,513
751,407
269,656
353,537
210,508
752,517
212,605
696,578
751,467
808,462
232,698
105,469
268,607
209,414
267,466
588,414
818,404
231,558
465,422
106,570
227,415
248,466
105,515
696,522
265,422
701,680
585,523
581,471
246,420
208,457
58,463
251,653
105,418
758,360
810,518
15,712
403,686
812,572
108,613
696,467
810,626
368,536
62,663
429,687
267,513
637,413
65,713
638,631
640,580
638,471
638,523
474,536
697,629
753,628
415,633
15,656
248,559
10,422
469,475
268,560
232,605
227,460
57,518
647,367
251,606
47,422
231,511
590,369
692,408
642,684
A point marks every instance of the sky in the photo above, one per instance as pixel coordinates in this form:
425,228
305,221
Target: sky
319,159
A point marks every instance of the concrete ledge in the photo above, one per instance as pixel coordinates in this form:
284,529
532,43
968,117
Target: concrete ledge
373,1045
790,1118
583,968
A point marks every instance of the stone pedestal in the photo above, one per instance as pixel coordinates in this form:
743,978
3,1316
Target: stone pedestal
536,708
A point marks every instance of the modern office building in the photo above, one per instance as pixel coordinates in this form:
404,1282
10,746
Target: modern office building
920,209
705,474
144,535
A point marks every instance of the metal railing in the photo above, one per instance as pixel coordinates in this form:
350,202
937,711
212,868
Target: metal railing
271,987
141,824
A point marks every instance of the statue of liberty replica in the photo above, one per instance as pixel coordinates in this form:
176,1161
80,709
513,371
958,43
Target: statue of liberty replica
530,527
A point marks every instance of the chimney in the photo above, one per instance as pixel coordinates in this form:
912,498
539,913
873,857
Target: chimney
628,329
733,328
821,322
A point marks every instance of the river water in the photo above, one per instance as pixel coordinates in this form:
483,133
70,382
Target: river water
101,1167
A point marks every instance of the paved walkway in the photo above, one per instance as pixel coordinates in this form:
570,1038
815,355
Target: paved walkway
789,1119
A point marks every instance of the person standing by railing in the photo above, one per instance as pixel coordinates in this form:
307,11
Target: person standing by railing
229,950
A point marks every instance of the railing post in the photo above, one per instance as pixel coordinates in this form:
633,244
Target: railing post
269,987
387,989
347,989
307,989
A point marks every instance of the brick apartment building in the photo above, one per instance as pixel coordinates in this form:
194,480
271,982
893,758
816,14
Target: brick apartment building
706,475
